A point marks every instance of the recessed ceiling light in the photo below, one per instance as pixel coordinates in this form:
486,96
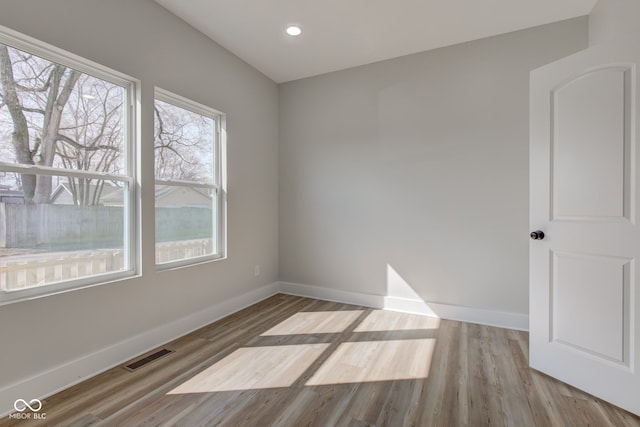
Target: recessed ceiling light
294,30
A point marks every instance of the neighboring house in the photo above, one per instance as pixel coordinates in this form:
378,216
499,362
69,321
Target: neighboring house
62,194
167,197
11,196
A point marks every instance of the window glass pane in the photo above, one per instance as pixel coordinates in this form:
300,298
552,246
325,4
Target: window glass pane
58,117
72,225
185,223
184,144
186,164
80,233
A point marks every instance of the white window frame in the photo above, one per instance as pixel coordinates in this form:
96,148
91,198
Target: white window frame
131,119
219,186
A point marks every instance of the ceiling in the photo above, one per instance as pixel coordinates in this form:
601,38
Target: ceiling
339,34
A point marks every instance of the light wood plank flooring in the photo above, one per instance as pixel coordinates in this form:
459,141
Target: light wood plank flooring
291,361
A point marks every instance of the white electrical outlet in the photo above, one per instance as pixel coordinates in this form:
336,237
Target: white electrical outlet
256,270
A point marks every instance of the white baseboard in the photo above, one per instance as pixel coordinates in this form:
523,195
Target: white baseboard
500,319
46,383
329,294
444,311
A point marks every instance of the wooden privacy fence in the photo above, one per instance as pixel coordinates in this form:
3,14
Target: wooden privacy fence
60,227
64,227
27,271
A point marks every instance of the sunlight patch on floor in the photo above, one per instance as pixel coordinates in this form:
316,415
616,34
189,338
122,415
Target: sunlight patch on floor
355,362
380,320
378,349
315,322
254,368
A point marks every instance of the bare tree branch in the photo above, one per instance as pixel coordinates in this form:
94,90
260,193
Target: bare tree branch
67,129
79,146
33,89
34,110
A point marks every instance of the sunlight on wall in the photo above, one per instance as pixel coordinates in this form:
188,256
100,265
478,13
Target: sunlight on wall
401,296
398,287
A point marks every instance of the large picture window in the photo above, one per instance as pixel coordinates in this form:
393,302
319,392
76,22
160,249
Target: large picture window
67,178
189,190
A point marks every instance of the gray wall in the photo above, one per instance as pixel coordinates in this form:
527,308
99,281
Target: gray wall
611,19
417,164
145,41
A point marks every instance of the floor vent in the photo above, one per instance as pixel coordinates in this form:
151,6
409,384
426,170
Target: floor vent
147,359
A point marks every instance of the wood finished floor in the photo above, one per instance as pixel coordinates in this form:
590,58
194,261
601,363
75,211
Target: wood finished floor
291,361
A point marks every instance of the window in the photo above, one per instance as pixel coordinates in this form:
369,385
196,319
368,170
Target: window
67,171
189,191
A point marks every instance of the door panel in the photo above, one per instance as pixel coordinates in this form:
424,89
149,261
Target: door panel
587,293
589,139
584,328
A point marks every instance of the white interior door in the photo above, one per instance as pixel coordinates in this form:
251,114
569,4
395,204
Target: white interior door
584,296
